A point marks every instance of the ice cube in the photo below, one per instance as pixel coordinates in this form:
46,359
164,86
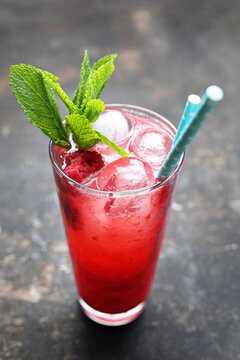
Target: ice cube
113,124
107,153
125,173
121,175
152,145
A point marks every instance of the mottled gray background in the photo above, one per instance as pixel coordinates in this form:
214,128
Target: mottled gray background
167,49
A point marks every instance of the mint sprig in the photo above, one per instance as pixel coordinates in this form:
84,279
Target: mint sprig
33,89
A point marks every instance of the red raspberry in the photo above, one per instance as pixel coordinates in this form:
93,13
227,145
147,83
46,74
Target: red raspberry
82,164
70,156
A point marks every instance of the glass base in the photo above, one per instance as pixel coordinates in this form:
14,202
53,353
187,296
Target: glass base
111,319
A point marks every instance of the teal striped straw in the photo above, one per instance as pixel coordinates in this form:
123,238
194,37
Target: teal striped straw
190,110
213,95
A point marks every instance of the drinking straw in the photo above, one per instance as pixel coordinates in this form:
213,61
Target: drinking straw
213,95
190,109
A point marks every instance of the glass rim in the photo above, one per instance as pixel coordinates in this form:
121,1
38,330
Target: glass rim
125,193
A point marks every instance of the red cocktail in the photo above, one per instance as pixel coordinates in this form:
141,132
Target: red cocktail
115,213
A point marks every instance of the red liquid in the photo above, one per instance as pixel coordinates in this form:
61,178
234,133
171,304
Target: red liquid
115,242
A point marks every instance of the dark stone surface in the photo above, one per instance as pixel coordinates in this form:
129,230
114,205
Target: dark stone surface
167,49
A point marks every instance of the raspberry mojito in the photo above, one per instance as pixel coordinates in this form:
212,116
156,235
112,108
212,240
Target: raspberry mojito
105,160
115,221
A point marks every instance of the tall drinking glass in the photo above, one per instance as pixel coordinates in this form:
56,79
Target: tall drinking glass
114,253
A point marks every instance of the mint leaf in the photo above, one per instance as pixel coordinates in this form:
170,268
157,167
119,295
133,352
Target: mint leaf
86,137
111,144
49,75
103,61
85,72
83,133
63,96
51,79
96,83
36,98
94,109
74,99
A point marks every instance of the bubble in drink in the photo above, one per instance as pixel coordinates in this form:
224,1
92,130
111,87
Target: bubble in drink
113,124
152,145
